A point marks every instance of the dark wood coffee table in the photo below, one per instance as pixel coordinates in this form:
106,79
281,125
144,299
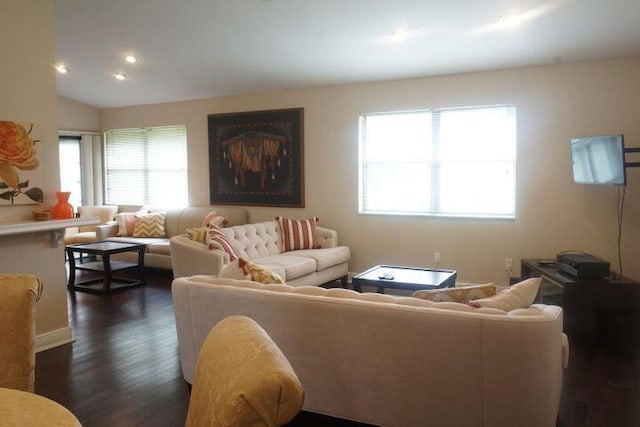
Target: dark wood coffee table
104,250
407,278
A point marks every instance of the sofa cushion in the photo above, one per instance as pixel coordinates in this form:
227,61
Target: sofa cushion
159,248
298,234
149,225
462,294
255,240
217,240
294,266
325,257
520,295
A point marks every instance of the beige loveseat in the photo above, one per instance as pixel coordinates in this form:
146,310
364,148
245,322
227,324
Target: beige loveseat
177,221
390,360
262,244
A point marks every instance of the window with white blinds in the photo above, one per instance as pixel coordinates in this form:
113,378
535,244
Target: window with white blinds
146,166
447,162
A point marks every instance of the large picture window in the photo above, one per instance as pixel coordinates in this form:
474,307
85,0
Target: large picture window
147,166
448,162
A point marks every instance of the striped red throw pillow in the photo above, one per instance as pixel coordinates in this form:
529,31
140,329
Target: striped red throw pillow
298,234
217,240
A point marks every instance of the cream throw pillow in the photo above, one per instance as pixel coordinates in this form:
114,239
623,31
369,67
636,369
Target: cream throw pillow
459,294
233,271
520,295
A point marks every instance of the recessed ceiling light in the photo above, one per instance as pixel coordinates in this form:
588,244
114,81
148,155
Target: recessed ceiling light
399,36
131,59
62,68
511,20
120,76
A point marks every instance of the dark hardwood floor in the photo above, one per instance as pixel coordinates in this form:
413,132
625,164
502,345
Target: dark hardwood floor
123,368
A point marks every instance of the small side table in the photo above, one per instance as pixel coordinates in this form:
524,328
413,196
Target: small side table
19,408
104,250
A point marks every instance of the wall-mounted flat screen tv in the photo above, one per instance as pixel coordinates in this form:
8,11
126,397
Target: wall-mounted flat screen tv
599,160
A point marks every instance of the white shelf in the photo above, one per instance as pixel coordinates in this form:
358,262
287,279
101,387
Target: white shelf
55,226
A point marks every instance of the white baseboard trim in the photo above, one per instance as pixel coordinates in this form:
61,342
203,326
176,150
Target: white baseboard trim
53,339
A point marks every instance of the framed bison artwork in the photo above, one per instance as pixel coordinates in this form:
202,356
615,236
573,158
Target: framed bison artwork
257,158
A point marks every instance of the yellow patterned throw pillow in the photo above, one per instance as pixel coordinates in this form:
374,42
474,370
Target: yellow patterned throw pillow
259,274
126,222
463,294
198,234
149,225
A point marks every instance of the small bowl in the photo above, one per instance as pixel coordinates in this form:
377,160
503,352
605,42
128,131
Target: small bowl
41,216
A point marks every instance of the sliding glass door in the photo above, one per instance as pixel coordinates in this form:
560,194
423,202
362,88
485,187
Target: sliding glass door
71,169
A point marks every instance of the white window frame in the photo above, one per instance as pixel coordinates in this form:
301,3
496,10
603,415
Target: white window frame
146,166
420,174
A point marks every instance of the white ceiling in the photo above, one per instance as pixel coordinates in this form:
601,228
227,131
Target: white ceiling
193,49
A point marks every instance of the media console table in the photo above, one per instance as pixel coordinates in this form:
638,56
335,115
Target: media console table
602,312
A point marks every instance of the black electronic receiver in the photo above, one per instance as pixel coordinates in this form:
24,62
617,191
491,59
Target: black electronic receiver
582,264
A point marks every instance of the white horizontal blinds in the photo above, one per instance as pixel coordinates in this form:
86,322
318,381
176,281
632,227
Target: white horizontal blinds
147,166
478,161
439,162
396,156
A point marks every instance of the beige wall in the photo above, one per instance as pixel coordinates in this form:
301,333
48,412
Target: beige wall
553,103
28,88
77,117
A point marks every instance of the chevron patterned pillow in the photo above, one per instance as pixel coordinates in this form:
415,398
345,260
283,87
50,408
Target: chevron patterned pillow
198,234
149,225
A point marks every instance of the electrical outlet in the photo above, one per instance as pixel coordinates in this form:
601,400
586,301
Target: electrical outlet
508,264
436,257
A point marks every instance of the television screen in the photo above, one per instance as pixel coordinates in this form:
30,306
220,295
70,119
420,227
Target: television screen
598,160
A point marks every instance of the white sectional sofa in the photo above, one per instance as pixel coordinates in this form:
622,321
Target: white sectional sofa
389,360
177,221
261,243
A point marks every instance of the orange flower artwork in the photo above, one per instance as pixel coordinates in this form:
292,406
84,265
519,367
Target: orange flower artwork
18,156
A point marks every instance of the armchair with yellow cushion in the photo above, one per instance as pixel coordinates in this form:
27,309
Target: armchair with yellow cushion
87,233
242,379
19,294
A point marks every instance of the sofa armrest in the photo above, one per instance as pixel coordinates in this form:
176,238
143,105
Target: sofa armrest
327,238
189,257
70,231
106,230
